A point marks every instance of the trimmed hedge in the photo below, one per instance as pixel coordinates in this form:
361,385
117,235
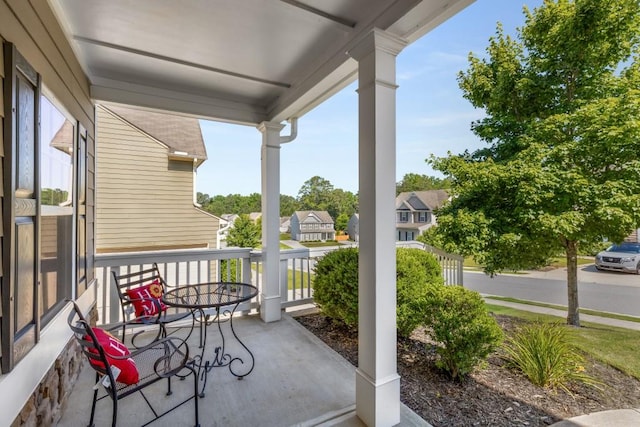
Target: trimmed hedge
336,284
462,327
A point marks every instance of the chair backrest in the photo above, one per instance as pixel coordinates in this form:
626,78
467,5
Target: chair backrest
88,341
128,281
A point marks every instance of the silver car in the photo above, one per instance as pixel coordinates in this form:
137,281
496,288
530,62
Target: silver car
623,257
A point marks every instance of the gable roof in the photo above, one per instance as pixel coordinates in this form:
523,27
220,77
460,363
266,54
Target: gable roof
182,135
323,216
63,139
421,200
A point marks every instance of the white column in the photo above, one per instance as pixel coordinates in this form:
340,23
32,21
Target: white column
270,163
377,379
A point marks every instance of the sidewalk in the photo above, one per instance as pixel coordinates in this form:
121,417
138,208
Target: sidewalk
562,313
612,418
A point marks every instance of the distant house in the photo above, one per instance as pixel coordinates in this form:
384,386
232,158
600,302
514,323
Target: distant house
414,212
285,224
146,171
353,227
312,226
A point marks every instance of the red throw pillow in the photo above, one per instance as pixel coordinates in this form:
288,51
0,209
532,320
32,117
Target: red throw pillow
147,299
113,347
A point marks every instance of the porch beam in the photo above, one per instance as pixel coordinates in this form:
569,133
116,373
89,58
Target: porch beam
377,380
270,299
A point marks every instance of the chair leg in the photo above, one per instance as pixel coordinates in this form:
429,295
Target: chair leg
195,395
95,400
114,418
169,392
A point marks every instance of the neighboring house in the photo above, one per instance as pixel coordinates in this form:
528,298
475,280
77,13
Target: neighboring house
353,227
414,212
312,226
146,172
285,224
255,216
634,236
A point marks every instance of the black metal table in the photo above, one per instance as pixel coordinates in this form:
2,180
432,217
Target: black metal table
223,298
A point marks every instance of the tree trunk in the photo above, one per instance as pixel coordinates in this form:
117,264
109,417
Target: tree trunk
573,313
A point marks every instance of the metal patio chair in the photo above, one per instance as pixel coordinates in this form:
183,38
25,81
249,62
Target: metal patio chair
141,303
131,370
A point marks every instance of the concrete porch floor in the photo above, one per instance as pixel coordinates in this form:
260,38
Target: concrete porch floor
297,381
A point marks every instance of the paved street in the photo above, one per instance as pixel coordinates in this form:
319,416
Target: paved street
604,291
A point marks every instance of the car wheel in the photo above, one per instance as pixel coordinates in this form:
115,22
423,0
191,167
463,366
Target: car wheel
638,268
598,268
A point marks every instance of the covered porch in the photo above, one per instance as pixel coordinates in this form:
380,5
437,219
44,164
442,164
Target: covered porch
252,63
297,381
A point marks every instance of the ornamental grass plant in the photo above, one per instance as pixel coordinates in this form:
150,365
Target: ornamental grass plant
543,352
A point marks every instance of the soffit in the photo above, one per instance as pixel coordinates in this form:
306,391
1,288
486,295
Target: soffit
236,60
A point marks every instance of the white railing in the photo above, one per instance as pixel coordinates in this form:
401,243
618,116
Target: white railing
185,267
189,266
452,265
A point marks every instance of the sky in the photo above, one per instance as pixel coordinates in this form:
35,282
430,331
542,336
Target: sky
432,116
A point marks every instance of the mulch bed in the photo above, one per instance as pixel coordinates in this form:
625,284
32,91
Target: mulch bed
494,395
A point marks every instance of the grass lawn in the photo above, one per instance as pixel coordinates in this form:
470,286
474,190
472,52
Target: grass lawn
560,307
302,278
617,347
320,244
557,262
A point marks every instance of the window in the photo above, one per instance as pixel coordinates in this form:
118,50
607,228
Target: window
404,216
44,239
56,206
422,216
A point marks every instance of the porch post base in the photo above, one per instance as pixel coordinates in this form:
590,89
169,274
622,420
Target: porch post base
377,402
270,308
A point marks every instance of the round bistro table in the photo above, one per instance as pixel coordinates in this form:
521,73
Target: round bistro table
217,303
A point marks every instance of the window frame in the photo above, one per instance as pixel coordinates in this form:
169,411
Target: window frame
15,344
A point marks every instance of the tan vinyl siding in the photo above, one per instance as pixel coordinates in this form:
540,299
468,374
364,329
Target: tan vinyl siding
59,69
144,200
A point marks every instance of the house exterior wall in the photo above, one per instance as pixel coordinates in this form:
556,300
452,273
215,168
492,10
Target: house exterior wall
311,229
25,391
145,200
353,228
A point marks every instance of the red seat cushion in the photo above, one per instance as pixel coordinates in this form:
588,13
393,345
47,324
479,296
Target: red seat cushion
113,347
147,299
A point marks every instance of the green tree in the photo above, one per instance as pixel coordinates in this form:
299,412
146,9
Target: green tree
288,205
234,203
318,194
562,168
203,199
342,203
416,182
341,222
315,194
244,233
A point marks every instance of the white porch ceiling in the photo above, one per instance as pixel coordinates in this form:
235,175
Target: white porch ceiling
241,61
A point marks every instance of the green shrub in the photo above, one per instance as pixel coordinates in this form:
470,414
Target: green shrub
461,326
415,271
335,286
229,270
545,355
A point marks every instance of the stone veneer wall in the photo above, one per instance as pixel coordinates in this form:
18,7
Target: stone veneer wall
44,407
